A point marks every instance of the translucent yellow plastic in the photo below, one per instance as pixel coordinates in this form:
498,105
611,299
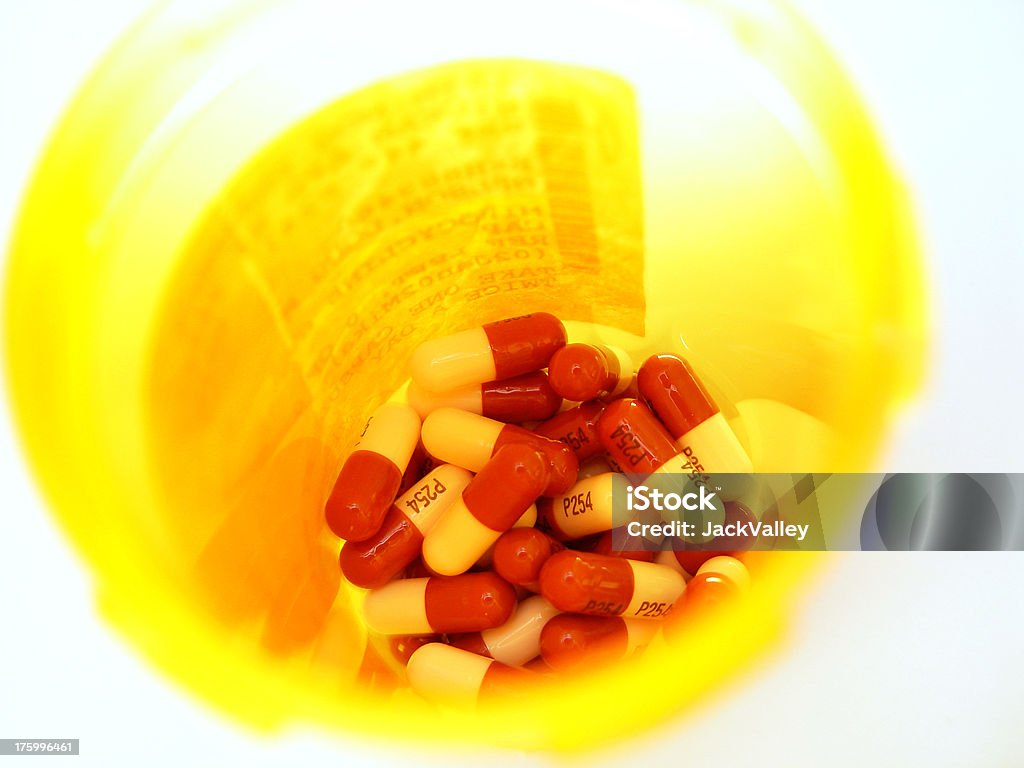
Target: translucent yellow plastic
235,238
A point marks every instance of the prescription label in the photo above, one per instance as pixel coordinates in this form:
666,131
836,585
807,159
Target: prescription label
415,207
421,205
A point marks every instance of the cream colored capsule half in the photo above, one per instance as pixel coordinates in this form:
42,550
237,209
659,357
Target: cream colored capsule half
469,398
425,501
457,541
392,431
639,633
713,447
450,362
460,437
653,585
677,465
449,675
584,509
716,447
398,608
518,640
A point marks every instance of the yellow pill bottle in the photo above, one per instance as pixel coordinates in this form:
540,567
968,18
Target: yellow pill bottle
252,212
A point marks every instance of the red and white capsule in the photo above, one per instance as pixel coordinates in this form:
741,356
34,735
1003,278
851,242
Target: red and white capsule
376,561
372,474
517,640
577,428
570,642
599,585
471,602
448,675
589,371
468,440
522,398
681,402
636,441
498,350
492,502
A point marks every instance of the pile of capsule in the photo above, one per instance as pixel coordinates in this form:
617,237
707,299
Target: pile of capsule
478,514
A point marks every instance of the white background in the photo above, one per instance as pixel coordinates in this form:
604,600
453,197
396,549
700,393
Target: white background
893,660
